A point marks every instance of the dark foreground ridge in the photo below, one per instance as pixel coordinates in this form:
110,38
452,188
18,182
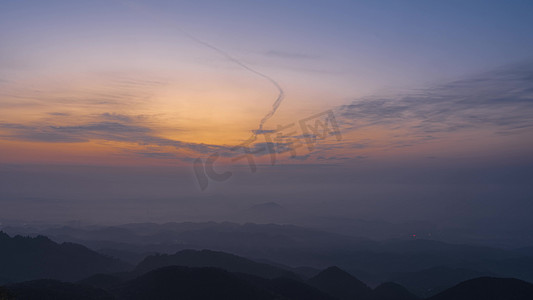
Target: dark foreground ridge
199,275
176,282
26,258
217,259
488,288
340,284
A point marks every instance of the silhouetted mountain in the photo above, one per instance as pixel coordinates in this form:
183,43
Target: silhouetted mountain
429,282
371,261
391,291
190,284
242,239
340,284
516,267
284,288
47,289
131,257
287,287
104,281
488,288
5,294
24,258
257,274
305,272
208,258
393,257
209,283
296,290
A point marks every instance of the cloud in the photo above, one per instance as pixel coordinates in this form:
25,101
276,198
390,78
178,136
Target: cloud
116,117
23,133
288,55
59,114
259,132
337,158
71,134
101,91
301,157
501,99
101,127
109,131
160,155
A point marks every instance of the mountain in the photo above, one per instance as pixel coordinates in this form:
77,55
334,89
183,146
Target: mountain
131,257
25,258
208,258
105,281
293,246
516,267
284,288
296,290
243,239
391,291
488,288
190,284
47,289
287,288
429,282
340,284
5,294
263,276
186,283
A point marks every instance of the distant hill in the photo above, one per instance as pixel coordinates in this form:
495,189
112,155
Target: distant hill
391,291
488,288
130,257
105,281
190,284
296,290
5,294
47,289
371,261
429,282
208,258
212,283
24,258
340,284
287,288
277,288
243,239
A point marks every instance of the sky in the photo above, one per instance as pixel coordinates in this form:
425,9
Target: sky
394,110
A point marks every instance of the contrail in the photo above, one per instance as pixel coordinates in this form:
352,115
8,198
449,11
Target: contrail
281,93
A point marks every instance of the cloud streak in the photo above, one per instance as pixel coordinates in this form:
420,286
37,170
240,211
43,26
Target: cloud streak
103,130
500,99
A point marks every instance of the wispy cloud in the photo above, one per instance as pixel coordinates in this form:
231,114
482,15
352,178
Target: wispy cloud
501,100
108,131
59,114
289,55
116,117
